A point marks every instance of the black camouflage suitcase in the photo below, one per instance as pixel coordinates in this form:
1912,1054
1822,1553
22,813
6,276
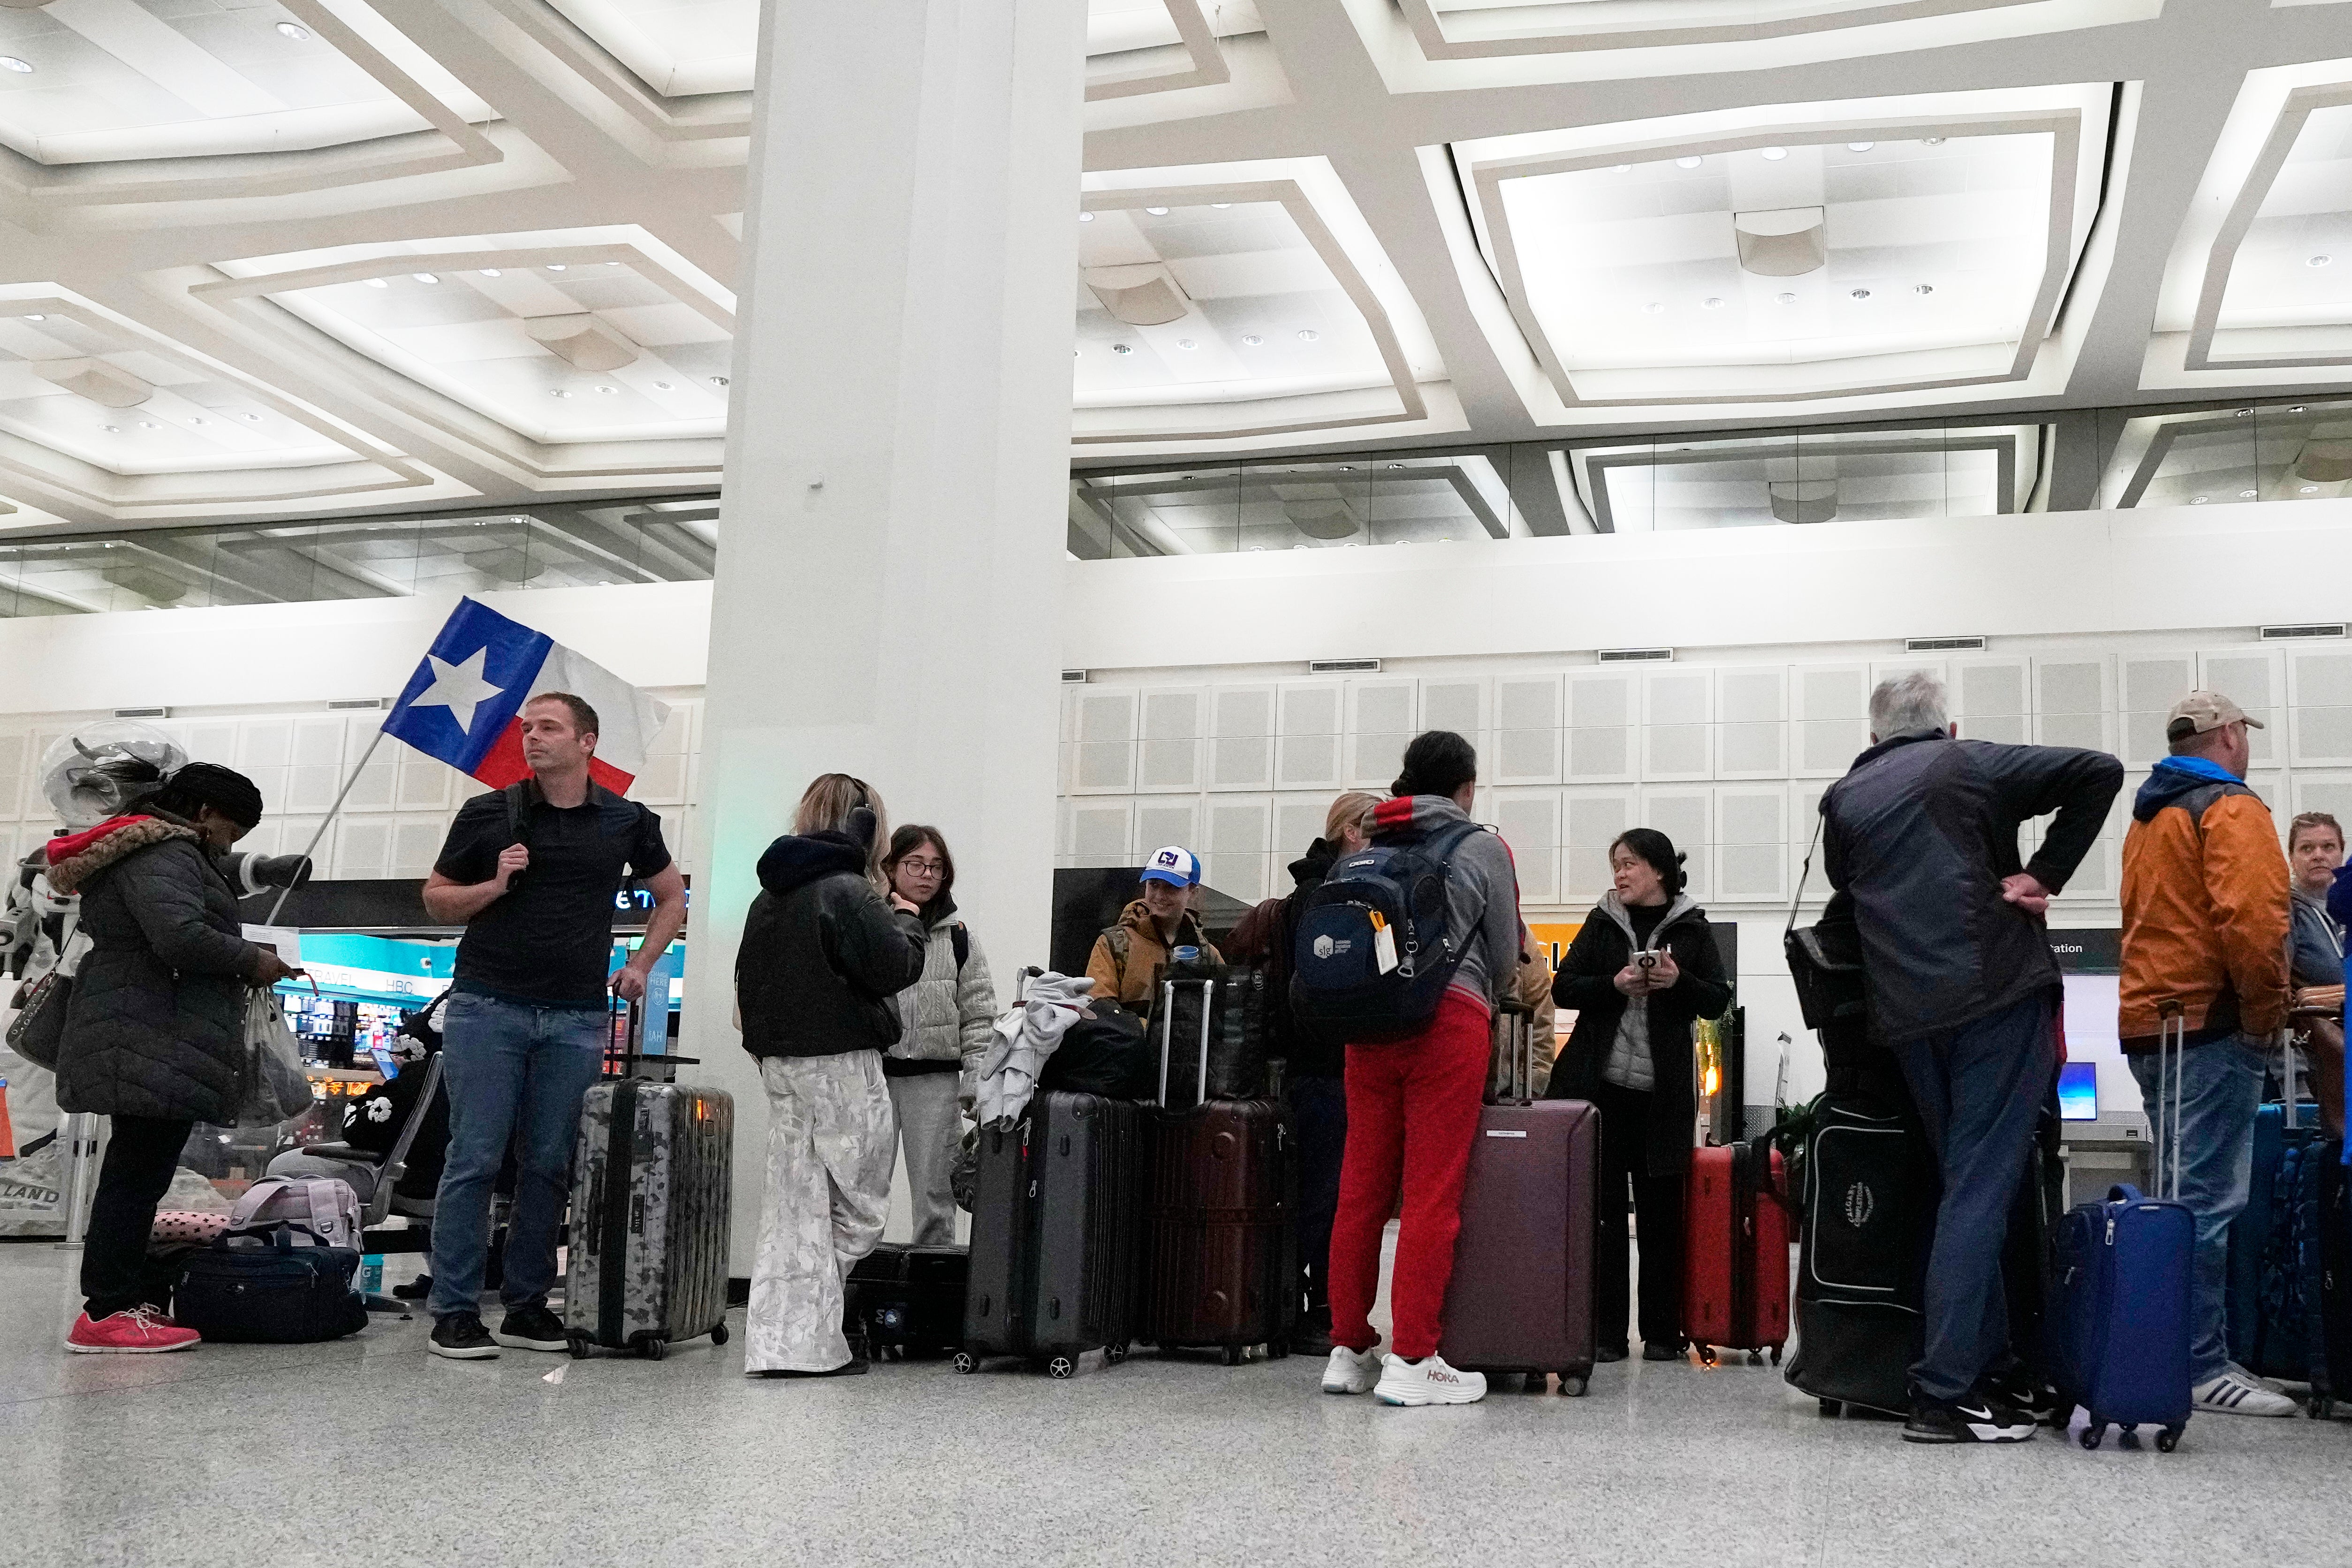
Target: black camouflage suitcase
652,1181
1057,1221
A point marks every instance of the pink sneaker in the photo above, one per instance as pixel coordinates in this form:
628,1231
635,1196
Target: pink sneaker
141,1330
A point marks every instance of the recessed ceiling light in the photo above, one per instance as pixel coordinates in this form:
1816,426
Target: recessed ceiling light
1786,299
2196,500
555,266
1923,288
2318,261
557,391
1396,465
718,381
1157,211
10,62
661,386
2245,414
1688,163
197,419
1086,217
253,418
1252,339
426,276
1346,468
149,425
378,283
2310,490
1858,293
1308,334
489,272
1621,169
289,30
1859,146
2296,409
612,263
113,430
1186,343
1713,304
1931,141
2246,494
1122,348
608,388
1654,307
36,316
1775,153
518,520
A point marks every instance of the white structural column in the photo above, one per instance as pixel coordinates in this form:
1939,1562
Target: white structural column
897,456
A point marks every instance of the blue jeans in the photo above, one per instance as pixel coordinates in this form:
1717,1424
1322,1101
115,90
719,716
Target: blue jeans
1978,1090
2220,1087
516,1074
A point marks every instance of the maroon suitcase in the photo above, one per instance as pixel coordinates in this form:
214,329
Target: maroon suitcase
1222,1261
1521,1295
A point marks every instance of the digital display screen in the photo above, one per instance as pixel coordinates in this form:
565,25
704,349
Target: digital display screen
2078,1092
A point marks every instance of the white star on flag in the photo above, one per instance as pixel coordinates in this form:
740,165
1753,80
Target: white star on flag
458,687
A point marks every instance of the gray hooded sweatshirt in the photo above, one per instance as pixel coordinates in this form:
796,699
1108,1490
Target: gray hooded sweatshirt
1482,896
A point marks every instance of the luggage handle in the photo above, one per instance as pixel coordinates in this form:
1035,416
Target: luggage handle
1166,1021
1518,1086
2293,1110
2172,1047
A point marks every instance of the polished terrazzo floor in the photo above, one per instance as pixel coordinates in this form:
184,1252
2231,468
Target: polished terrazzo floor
368,1451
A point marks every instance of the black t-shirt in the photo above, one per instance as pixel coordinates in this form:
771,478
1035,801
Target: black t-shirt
1644,918
549,939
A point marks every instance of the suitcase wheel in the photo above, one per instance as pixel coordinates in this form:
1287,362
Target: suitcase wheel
2092,1433
1235,1355
652,1347
2127,1435
2323,1407
965,1361
1113,1354
1776,1355
1061,1366
1755,1358
1833,1408
2168,1440
719,1334
1573,1387
1277,1350
1706,1356
578,1345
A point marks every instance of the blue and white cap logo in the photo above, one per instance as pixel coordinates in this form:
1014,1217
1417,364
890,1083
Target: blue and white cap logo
1174,865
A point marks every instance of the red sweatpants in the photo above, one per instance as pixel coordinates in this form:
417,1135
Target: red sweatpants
1412,1112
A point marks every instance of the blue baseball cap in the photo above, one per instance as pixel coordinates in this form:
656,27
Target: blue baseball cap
1176,866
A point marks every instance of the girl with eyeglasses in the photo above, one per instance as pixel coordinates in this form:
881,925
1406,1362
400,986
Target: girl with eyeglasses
945,1022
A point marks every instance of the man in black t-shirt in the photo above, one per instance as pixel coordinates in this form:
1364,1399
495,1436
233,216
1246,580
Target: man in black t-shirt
531,871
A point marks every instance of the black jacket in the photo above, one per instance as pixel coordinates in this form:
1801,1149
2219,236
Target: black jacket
1264,938
1585,982
822,955
1921,831
156,1027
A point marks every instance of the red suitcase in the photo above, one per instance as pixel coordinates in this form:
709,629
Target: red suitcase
1222,1261
1521,1296
1735,1252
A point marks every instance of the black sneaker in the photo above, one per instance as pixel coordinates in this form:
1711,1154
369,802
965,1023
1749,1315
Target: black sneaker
1975,1419
854,1367
460,1336
1661,1350
2022,1391
532,1328
1604,1355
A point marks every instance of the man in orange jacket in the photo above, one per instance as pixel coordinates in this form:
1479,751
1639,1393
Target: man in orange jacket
2205,922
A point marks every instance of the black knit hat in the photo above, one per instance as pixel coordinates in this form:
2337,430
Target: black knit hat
225,790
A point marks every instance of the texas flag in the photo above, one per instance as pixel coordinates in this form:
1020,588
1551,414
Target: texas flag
462,704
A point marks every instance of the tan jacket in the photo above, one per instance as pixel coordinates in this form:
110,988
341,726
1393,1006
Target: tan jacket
2205,912
1128,956
1531,987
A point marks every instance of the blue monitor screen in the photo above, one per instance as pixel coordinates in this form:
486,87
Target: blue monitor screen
2078,1092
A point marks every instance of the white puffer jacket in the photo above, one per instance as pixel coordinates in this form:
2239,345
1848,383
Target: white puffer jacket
948,1016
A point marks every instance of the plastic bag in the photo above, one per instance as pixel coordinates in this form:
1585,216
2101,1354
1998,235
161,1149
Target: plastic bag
273,1088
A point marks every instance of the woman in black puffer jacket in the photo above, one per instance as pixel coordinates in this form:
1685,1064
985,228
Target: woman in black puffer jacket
154,1036
1630,1056
822,956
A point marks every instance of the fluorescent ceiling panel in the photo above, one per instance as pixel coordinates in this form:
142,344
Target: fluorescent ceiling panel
1280,330
2285,283
119,79
2272,452
1376,499
462,325
1846,475
678,49
1947,241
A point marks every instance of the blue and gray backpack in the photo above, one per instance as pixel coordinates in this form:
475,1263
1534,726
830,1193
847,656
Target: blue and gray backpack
1374,952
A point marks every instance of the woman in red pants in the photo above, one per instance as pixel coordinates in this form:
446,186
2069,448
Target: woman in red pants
1412,1105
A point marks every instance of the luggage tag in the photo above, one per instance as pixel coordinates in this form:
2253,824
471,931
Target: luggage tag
1384,953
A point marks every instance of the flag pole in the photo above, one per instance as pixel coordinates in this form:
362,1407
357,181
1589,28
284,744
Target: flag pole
325,821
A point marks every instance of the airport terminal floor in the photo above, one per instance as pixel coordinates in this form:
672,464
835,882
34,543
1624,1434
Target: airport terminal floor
369,1452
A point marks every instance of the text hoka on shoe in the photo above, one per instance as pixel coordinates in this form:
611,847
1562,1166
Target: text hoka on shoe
1375,950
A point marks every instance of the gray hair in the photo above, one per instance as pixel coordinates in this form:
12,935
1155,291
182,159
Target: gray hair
1907,703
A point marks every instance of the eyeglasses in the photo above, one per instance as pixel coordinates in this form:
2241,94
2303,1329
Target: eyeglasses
923,868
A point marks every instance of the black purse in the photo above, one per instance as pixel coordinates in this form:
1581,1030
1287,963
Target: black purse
39,1027
1828,972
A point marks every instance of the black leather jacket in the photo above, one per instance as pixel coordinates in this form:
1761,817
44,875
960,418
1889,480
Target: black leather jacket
822,955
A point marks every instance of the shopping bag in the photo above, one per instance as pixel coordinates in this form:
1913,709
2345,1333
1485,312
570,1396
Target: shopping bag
273,1088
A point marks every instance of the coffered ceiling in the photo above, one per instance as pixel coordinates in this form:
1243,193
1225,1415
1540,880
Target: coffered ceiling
296,258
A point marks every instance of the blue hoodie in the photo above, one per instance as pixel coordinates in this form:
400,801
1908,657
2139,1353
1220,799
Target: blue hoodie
2174,777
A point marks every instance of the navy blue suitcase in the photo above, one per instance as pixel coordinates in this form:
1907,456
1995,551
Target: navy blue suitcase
2274,1277
2125,1272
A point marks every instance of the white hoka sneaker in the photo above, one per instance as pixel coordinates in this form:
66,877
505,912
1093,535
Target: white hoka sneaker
1351,1370
1428,1380
2231,1395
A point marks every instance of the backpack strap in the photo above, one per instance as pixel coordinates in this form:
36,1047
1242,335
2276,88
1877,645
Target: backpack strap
518,800
241,1213
961,940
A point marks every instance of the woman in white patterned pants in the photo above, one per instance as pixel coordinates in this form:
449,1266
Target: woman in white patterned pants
821,956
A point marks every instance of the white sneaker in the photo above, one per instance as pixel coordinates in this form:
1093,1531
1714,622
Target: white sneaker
1427,1381
2259,1381
2231,1395
1351,1370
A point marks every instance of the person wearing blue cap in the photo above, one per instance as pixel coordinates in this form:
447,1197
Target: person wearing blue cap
1129,954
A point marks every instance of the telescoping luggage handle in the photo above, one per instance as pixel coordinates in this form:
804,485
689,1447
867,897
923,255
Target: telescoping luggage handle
1168,1035
1511,1077
2171,1068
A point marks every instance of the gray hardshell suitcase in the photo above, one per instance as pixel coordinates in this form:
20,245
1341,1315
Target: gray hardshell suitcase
651,1188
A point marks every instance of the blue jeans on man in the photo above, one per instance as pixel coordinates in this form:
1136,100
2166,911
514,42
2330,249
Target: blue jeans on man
516,1074
2221,1088
1978,1090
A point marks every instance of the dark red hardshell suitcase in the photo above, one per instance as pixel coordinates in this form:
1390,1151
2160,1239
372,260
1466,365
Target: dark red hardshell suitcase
1520,1299
1735,1252
1221,1262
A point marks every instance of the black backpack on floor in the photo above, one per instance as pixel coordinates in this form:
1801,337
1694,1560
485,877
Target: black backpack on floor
275,1293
